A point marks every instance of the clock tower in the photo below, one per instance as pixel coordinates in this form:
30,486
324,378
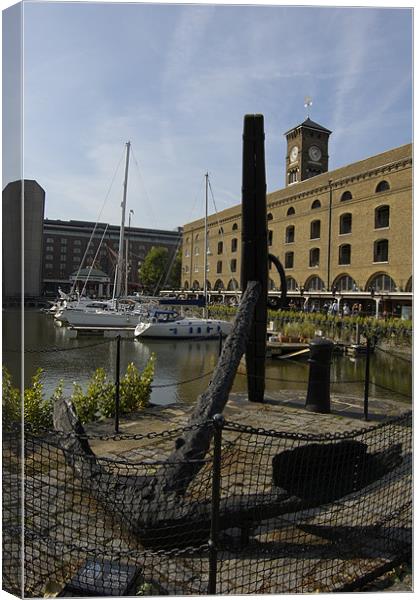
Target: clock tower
307,151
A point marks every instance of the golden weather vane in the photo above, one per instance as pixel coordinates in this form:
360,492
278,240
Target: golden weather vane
307,103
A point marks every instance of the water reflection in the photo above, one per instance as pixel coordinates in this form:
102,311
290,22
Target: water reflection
183,368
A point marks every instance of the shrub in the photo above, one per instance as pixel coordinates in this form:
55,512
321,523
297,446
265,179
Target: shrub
37,411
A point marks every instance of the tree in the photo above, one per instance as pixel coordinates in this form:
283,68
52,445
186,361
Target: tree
174,278
152,271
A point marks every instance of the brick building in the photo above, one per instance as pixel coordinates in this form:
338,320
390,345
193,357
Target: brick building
67,248
346,231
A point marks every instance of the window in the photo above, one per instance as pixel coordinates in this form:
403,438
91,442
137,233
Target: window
49,257
289,234
76,251
196,268
50,240
49,248
314,284
48,266
289,260
235,227
63,242
63,257
314,230
290,211
233,265
314,257
345,223
234,245
382,283
186,269
219,266
270,236
233,285
186,252
346,196
316,204
383,186
345,254
291,284
62,266
345,283
220,248
77,243
196,250
218,285
382,216
293,176
220,231
269,217
381,251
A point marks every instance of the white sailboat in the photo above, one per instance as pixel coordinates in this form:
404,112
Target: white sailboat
114,314
163,323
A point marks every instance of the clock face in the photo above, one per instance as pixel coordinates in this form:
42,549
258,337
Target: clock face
293,153
314,153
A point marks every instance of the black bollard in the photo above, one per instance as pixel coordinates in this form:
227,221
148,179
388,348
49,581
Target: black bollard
118,363
318,391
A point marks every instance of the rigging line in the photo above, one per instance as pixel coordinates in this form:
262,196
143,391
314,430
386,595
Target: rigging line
94,229
236,289
94,259
167,272
172,262
142,183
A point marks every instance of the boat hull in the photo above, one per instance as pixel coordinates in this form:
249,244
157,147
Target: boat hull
184,329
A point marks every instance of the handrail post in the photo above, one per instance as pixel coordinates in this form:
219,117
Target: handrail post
218,423
367,378
118,364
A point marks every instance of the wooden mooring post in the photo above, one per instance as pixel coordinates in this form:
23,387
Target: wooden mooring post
254,262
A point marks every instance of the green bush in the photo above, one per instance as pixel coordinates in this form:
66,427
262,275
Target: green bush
98,402
37,411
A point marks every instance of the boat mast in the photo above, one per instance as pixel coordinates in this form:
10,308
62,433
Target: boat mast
206,246
120,265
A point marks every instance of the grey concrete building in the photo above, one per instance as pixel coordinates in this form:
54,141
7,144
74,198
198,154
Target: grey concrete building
22,239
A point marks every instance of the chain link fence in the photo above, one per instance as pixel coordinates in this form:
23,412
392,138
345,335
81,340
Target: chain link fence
263,512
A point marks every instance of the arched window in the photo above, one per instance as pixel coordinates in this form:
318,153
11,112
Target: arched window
293,176
220,248
382,216
234,245
235,227
346,196
208,285
383,186
219,266
290,211
291,284
314,257
232,285
381,282
314,284
271,284
218,285
345,283
290,234
220,231
186,285
345,254
381,251
315,230
345,223
408,286
289,260
316,204
195,285
269,217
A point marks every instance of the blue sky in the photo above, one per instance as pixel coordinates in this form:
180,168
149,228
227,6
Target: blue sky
177,80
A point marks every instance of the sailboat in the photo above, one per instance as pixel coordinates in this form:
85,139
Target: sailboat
161,322
115,314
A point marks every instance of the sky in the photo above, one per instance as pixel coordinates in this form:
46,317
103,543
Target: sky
176,81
